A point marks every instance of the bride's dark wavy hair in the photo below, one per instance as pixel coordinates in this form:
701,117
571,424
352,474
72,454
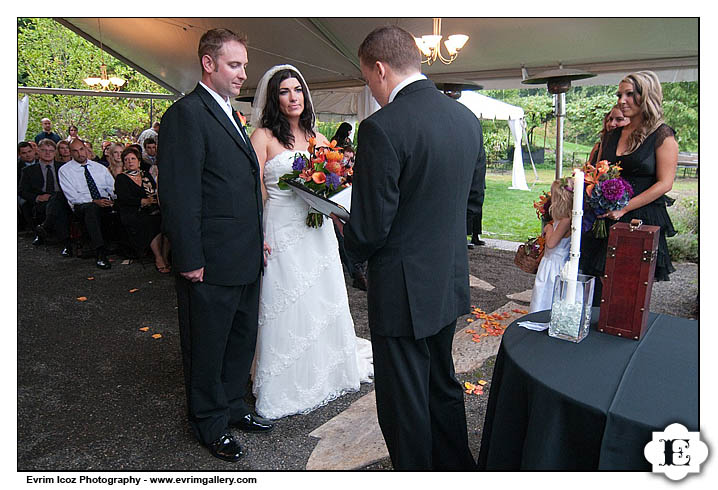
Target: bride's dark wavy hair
275,121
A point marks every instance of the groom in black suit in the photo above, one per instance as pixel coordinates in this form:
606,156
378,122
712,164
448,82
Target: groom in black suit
416,162
211,201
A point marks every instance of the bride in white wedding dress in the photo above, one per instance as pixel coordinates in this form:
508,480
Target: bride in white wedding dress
307,351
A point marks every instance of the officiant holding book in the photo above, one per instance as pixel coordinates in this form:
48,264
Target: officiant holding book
416,162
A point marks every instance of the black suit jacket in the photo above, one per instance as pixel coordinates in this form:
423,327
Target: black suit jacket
209,192
32,182
417,159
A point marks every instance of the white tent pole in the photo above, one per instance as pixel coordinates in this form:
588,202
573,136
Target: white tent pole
526,137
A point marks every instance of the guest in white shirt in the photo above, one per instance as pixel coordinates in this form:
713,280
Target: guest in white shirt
89,189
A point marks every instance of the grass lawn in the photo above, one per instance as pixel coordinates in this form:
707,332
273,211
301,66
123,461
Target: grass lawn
508,214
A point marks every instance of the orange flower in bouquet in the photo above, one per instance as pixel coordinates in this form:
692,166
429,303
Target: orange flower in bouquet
322,172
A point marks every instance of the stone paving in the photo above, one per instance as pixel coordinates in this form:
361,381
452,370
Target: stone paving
353,439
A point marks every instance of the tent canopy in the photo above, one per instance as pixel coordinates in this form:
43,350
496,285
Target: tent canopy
324,49
487,108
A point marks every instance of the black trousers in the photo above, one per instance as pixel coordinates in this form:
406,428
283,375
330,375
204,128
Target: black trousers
92,215
420,404
218,333
473,224
54,213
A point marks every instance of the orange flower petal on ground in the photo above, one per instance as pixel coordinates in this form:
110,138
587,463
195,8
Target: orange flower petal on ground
157,336
470,331
82,298
469,320
482,382
144,329
90,278
134,290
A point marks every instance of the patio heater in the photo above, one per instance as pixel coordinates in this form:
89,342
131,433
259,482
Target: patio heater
453,89
558,83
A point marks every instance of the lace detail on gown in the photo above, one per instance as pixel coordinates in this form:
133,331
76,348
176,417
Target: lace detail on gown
307,351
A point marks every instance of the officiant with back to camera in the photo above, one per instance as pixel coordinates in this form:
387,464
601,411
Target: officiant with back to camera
408,219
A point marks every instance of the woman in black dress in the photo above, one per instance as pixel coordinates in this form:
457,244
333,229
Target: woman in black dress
342,135
136,193
647,151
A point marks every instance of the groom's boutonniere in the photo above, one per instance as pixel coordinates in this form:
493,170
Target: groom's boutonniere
242,119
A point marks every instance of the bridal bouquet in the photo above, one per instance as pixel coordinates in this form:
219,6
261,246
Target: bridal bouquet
325,172
606,191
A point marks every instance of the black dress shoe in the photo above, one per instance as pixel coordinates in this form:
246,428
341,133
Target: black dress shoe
103,263
478,241
253,423
42,233
360,281
226,448
66,252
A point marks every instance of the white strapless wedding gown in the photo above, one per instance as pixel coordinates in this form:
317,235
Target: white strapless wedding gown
307,351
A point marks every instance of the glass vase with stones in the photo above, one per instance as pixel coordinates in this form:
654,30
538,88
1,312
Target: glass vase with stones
571,308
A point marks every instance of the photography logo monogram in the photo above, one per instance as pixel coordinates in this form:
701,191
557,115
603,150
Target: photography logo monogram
676,452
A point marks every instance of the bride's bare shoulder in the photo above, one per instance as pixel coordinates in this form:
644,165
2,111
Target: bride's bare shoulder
321,139
261,135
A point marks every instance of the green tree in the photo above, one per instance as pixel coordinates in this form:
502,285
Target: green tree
52,56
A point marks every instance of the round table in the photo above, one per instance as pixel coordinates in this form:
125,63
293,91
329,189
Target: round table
557,405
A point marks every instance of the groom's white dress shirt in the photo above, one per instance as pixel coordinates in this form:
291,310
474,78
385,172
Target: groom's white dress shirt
410,79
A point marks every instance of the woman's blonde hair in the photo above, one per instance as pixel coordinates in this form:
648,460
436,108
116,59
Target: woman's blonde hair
561,198
648,96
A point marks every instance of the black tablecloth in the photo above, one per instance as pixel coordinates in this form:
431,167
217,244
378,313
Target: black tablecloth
557,405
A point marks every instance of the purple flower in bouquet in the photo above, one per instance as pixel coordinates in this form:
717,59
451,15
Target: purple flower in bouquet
333,181
614,189
300,161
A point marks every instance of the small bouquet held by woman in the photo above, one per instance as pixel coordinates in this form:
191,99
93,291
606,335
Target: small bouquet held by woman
325,172
605,191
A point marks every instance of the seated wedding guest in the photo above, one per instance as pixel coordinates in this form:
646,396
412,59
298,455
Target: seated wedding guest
342,135
35,149
72,133
648,154
104,158
152,132
114,158
62,153
143,164
89,189
612,120
47,132
149,156
25,157
90,152
136,192
44,201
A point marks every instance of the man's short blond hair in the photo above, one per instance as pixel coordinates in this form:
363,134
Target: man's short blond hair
212,42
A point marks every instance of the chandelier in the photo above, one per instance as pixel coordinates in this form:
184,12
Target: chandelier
103,82
430,45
